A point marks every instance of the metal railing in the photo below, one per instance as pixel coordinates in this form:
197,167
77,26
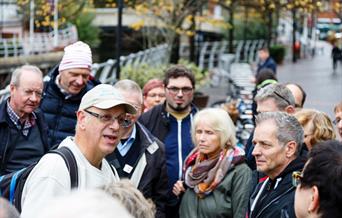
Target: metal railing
39,43
106,72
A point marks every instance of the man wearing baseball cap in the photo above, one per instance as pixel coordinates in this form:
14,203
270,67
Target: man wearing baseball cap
101,118
69,81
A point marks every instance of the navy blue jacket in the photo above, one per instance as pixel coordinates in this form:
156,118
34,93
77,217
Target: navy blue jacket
6,142
165,127
269,63
60,113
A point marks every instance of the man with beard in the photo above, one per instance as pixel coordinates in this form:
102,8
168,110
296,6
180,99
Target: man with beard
171,123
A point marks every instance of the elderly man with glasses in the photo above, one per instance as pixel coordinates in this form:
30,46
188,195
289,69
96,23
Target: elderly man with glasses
140,156
277,141
23,132
101,118
171,123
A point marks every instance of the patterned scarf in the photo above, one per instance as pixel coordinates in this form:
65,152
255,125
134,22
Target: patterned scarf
204,174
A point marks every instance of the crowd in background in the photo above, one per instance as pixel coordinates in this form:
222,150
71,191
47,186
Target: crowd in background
149,152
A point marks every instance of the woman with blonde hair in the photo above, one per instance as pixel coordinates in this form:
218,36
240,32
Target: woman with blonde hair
215,173
317,126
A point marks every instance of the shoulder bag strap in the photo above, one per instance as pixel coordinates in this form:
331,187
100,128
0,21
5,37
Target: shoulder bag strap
70,162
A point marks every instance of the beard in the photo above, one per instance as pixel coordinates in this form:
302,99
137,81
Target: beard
179,107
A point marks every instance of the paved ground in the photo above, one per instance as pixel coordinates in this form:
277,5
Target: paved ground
315,75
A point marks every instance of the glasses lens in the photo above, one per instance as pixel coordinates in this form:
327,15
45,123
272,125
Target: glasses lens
186,90
175,90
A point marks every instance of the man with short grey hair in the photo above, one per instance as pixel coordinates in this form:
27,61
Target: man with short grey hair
140,156
277,140
274,97
23,131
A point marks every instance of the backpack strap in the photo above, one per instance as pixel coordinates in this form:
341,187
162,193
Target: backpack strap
70,162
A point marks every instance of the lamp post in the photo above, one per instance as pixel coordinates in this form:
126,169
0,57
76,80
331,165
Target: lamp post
31,25
55,24
118,39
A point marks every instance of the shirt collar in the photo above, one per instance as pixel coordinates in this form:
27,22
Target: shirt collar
66,94
124,148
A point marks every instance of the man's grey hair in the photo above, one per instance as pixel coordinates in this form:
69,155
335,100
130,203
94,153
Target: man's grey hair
288,127
15,78
128,85
133,200
86,204
279,92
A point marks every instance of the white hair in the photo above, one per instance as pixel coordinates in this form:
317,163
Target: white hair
84,204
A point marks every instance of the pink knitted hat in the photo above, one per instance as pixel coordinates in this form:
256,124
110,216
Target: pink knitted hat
77,55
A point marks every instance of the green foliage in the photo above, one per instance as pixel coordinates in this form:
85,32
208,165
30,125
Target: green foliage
277,52
200,75
87,32
255,29
145,72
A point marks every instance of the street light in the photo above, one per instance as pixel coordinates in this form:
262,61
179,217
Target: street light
118,38
55,24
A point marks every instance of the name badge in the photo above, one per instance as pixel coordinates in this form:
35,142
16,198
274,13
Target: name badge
127,168
152,148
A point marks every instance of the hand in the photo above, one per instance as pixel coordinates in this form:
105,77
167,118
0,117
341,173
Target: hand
178,188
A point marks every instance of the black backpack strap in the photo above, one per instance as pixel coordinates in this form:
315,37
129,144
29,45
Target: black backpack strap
70,162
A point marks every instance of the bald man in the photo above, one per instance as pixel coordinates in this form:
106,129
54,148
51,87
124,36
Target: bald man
298,93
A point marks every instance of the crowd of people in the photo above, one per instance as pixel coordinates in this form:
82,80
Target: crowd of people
149,152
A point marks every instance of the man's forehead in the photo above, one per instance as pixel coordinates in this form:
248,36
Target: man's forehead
181,79
83,71
267,105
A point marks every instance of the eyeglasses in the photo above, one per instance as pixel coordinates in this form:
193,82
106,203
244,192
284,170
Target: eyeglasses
297,178
175,90
107,119
153,95
337,120
282,97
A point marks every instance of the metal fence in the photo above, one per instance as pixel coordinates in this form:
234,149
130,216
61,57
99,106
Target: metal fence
39,43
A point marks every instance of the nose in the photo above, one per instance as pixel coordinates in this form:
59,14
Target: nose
34,97
115,125
256,150
202,137
180,93
80,80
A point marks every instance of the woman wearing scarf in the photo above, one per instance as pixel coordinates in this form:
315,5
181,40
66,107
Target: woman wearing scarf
215,174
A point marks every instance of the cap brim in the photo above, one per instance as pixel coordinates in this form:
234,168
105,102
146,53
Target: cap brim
113,103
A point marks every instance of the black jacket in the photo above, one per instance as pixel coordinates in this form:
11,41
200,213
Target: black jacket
60,113
277,197
6,146
157,120
153,181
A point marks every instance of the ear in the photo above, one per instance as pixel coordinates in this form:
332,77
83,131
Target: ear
81,119
12,87
291,149
290,109
314,202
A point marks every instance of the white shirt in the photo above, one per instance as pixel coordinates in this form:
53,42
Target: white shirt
50,178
